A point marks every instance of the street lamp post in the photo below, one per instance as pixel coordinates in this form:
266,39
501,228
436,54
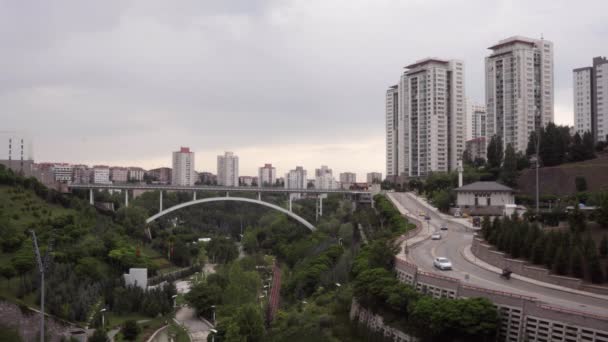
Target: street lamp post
213,308
174,300
213,332
103,320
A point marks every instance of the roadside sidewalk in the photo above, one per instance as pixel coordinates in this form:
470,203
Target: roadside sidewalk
422,235
468,256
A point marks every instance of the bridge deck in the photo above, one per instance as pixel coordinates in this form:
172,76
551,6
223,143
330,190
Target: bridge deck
152,187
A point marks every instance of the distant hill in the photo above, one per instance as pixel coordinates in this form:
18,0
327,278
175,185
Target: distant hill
560,180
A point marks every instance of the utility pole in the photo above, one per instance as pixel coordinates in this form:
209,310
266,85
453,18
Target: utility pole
537,166
43,264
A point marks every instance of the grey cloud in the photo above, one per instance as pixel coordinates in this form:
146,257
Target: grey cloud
224,74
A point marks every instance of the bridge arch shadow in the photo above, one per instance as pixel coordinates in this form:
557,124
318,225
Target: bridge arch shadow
234,199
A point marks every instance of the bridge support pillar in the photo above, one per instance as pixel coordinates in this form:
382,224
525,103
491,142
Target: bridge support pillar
91,199
290,200
259,196
227,194
319,206
161,202
194,195
126,198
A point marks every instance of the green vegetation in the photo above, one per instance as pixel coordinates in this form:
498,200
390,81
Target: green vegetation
376,288
571,253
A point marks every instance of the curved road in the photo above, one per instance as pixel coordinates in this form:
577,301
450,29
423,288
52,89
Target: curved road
452,244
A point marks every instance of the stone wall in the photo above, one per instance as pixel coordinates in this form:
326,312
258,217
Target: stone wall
27,323
375,322
487,253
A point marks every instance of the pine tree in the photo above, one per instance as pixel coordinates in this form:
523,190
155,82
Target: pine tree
604,246
508,173
550,250
589,248
486,227
588,145
576,263
560,261
577,151
495,152
538,250
595,270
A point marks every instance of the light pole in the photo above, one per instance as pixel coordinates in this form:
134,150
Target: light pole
103,320
43,264
174,300
537,166
213,332
213,308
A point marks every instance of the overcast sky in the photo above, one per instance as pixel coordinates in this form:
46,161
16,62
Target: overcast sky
286,82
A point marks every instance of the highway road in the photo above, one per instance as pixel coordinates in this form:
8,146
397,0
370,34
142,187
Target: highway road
452,244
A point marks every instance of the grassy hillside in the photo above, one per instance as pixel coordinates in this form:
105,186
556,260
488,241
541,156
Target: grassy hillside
560,180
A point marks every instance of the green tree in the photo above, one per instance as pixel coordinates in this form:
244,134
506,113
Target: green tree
250,322
577,220
203,296
130,330
508,173
595,270
577,150
99,336
133,219
495,152
581,184
604,246
560,263
443,199
588,145
576,263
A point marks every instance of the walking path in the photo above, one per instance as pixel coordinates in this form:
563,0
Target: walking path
275,293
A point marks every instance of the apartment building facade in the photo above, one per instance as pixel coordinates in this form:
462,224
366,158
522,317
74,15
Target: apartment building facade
392,131
431,122
519,89
296,179
228,169
590,87
183,173
267,175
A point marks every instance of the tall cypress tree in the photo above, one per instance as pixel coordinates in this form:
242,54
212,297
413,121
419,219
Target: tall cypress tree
508,173
560,261
538,250
576,263
588,146
495,152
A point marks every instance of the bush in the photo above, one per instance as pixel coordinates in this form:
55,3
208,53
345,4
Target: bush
130,330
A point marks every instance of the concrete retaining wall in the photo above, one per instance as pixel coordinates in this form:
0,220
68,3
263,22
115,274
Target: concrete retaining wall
487,253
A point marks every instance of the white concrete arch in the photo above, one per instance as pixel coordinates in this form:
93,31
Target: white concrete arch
236,199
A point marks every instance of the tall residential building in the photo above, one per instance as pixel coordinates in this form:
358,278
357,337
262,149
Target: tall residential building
63,173
119,174
228,169
591,99
267,175
16,152
136,174
82,174
246,180
183,173
348,177
392,131
324,178
374,178
431,117
296,179
162,175
477,148
519,89
100,175
476,121
208,178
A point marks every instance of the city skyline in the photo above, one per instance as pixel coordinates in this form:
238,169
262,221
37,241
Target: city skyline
84,83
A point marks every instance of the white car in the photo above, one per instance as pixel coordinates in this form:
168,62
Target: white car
436,236
442,263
